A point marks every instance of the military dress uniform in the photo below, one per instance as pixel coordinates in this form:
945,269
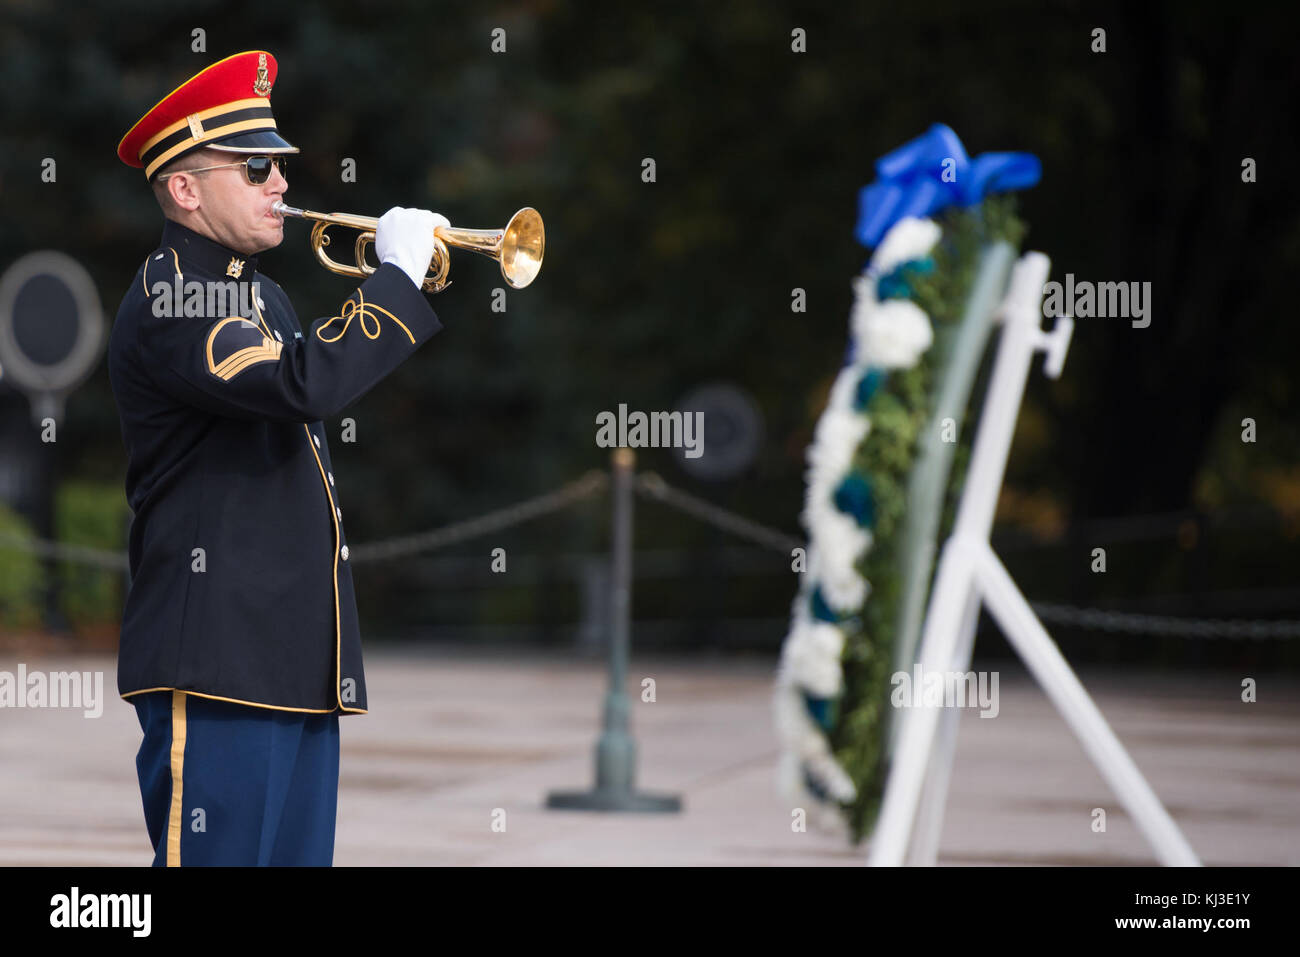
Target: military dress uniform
240,645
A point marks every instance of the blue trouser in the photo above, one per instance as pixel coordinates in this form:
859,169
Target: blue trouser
229,784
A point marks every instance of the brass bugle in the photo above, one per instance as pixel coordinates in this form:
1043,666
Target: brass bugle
518,247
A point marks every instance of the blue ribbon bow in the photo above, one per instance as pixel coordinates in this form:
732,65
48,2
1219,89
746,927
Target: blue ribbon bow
911,181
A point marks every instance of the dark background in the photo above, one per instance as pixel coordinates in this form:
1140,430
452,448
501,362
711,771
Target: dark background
651,290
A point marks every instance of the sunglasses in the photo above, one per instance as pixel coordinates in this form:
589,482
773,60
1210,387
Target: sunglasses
257,169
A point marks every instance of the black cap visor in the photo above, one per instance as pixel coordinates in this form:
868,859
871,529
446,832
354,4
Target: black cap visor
253,141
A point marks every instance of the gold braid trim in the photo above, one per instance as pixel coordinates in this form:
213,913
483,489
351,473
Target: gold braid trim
353,309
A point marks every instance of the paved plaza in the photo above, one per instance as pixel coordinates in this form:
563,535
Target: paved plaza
458,738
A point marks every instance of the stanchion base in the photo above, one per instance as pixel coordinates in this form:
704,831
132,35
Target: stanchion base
613,801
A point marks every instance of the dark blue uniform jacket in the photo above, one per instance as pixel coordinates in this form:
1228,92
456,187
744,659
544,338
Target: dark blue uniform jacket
241,585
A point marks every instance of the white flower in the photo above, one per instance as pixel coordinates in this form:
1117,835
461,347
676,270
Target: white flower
826,771
842,392
864,291
839,538
829,642
892,334
843,588
804,749
907,239
812,659
837,436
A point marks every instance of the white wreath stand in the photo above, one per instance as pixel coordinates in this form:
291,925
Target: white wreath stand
969,574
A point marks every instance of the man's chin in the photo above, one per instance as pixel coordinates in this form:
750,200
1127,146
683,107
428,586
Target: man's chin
269,240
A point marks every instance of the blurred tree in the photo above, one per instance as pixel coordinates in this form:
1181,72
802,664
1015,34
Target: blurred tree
652,288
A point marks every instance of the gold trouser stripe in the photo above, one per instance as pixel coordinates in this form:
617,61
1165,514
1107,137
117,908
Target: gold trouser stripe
175,818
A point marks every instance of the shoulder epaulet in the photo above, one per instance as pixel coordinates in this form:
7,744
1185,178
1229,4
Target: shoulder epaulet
163,257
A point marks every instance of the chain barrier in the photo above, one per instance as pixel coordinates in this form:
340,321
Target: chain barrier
585,487
59,551
1096,619
651,485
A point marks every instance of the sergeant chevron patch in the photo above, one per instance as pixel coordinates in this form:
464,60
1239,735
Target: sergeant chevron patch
234,344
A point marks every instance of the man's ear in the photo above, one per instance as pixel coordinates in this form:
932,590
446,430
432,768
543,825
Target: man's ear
183,190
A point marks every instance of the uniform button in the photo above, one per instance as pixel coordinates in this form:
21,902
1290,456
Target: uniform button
278,336
339,513
331,475
316,439
344,552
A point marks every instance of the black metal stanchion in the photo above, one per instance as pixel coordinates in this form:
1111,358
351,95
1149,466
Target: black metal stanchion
616,749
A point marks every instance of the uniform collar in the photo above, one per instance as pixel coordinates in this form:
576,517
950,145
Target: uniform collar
206,253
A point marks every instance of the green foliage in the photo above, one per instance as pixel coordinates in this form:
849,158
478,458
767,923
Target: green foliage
899,411
94,514
20,575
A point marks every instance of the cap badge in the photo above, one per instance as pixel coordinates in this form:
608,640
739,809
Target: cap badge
262,85
235,268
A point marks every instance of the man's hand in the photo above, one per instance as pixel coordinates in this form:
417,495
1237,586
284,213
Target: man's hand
404,237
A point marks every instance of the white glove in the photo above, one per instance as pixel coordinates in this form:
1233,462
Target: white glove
404,237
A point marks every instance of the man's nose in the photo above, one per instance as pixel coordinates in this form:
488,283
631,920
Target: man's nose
277,181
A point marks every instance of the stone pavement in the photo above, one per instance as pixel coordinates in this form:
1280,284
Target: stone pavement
454,734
